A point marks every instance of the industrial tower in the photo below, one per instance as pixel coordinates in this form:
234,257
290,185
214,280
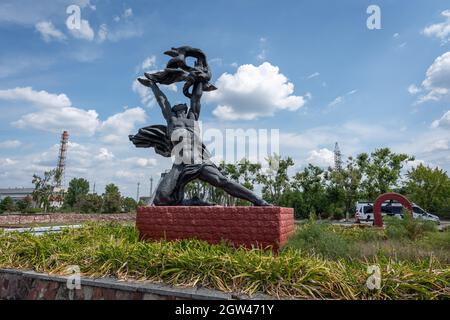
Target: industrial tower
337,158
62,158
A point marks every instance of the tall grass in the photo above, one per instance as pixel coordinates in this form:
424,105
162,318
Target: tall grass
113,250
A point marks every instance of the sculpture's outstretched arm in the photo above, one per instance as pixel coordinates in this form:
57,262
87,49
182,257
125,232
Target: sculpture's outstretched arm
160,98
197,92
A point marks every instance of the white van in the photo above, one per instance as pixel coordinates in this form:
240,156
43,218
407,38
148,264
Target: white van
364,212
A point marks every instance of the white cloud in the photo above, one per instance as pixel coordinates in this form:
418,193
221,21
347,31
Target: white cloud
144,93
49,32
437,81
10,144
55,113
6,162
313,75
39,98
443,122
440,144
141,162
120,32
73,119
84,32
117,127
102,33
149,62
252,92
28,13
413,89
341,99
396,35
440,30
104,154
128,13
336,101
322,158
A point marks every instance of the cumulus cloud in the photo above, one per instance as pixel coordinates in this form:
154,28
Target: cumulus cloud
10,144
144,93
102,33
440,30
322,158
39,98
149,62
437,81
413,89
49,32
443,122
128,13
55,120
252,92
55,113
85,31
104,154
117,127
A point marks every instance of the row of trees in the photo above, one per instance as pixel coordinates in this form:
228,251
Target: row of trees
8,205
77,198
332,192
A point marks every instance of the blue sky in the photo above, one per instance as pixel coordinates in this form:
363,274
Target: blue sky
314,71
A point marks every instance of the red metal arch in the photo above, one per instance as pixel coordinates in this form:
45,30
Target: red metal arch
378,220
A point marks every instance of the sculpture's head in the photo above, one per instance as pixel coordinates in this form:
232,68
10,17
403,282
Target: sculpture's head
180,109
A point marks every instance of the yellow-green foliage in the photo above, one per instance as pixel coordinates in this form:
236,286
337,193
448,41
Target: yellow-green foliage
114,250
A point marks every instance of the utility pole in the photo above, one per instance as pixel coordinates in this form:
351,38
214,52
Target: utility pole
137,195
151,186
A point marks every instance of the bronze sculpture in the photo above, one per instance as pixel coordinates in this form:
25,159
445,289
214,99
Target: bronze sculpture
181,137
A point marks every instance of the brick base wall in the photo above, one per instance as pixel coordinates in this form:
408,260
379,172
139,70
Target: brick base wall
242,226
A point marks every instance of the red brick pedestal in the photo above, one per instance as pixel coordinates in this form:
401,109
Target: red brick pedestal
241,226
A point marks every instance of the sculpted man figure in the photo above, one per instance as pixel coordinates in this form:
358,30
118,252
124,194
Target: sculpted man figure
181,137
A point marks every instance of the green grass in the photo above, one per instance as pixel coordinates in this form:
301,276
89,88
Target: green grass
296,272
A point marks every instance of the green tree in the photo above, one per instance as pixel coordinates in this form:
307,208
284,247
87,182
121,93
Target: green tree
275,180
7,205
381,171
25,204
344,187
429,188
91,203
78,189
44,188
112,199
311,197
129,204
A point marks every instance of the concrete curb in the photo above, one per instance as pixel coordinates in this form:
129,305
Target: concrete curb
141,290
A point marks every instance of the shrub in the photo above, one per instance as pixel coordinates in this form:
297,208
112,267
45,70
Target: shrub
34,210
105,250
408,227
316,238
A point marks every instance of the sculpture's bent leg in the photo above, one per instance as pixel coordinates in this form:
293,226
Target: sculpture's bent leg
213,176
167,194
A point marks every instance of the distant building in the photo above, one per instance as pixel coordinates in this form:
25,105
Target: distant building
16,193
